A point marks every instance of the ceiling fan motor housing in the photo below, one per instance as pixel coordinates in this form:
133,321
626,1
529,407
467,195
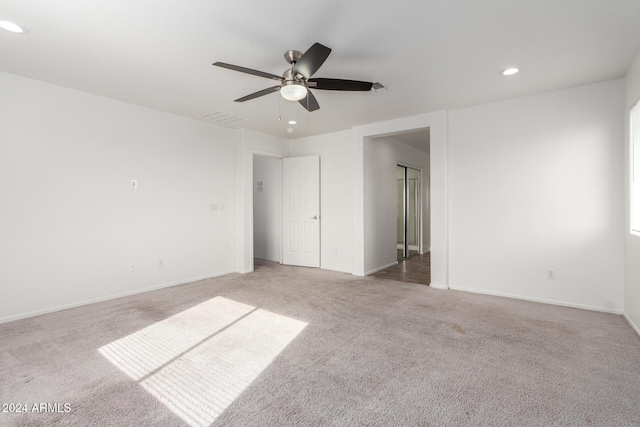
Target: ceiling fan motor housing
289,78
292,56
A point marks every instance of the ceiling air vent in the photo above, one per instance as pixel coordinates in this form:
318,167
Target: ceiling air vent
223,118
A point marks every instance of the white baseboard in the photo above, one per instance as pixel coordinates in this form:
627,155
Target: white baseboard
375,270
542,300
438,286
337,271
411,247
267,259
633,325
109,297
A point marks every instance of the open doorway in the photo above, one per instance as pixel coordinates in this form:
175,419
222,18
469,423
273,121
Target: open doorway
286,210
409,212
397,175
267,208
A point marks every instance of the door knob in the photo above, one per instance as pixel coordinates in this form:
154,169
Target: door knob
315,217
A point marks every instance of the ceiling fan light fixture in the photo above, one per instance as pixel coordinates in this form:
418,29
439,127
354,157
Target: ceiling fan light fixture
293,91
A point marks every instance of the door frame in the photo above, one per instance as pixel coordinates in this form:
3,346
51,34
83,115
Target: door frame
438,189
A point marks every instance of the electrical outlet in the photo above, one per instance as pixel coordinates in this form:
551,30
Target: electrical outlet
134,184
551,275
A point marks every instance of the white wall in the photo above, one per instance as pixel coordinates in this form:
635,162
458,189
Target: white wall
336,195
632,242
381,157
267,208
70,224
247,144
535,183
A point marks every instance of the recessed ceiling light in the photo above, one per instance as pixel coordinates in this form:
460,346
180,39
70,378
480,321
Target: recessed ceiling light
10,26
289,130
510,71
292,122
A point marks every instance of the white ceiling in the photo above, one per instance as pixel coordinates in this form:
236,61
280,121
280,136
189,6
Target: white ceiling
420,140
431,54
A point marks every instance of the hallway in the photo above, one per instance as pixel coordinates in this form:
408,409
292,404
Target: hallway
415,269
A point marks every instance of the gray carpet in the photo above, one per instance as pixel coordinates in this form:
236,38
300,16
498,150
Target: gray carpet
294,346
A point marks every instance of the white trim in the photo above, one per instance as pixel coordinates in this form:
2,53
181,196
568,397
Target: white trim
411,247
438,286
375,270
266,259
110,297
408,165
445,199
633,325
541,300
335,271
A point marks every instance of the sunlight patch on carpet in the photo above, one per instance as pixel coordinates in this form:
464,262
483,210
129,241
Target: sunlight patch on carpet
200,360
148,349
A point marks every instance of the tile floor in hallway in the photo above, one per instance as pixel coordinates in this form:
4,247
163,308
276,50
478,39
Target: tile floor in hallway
415,269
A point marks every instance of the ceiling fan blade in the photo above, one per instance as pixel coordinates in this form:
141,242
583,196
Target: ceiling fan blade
310,102
311,60
339,84
248,71
258,94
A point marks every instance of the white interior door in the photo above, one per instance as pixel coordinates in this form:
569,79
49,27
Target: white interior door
301,211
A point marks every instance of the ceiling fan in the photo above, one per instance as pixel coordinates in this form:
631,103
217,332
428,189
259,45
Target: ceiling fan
297,80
